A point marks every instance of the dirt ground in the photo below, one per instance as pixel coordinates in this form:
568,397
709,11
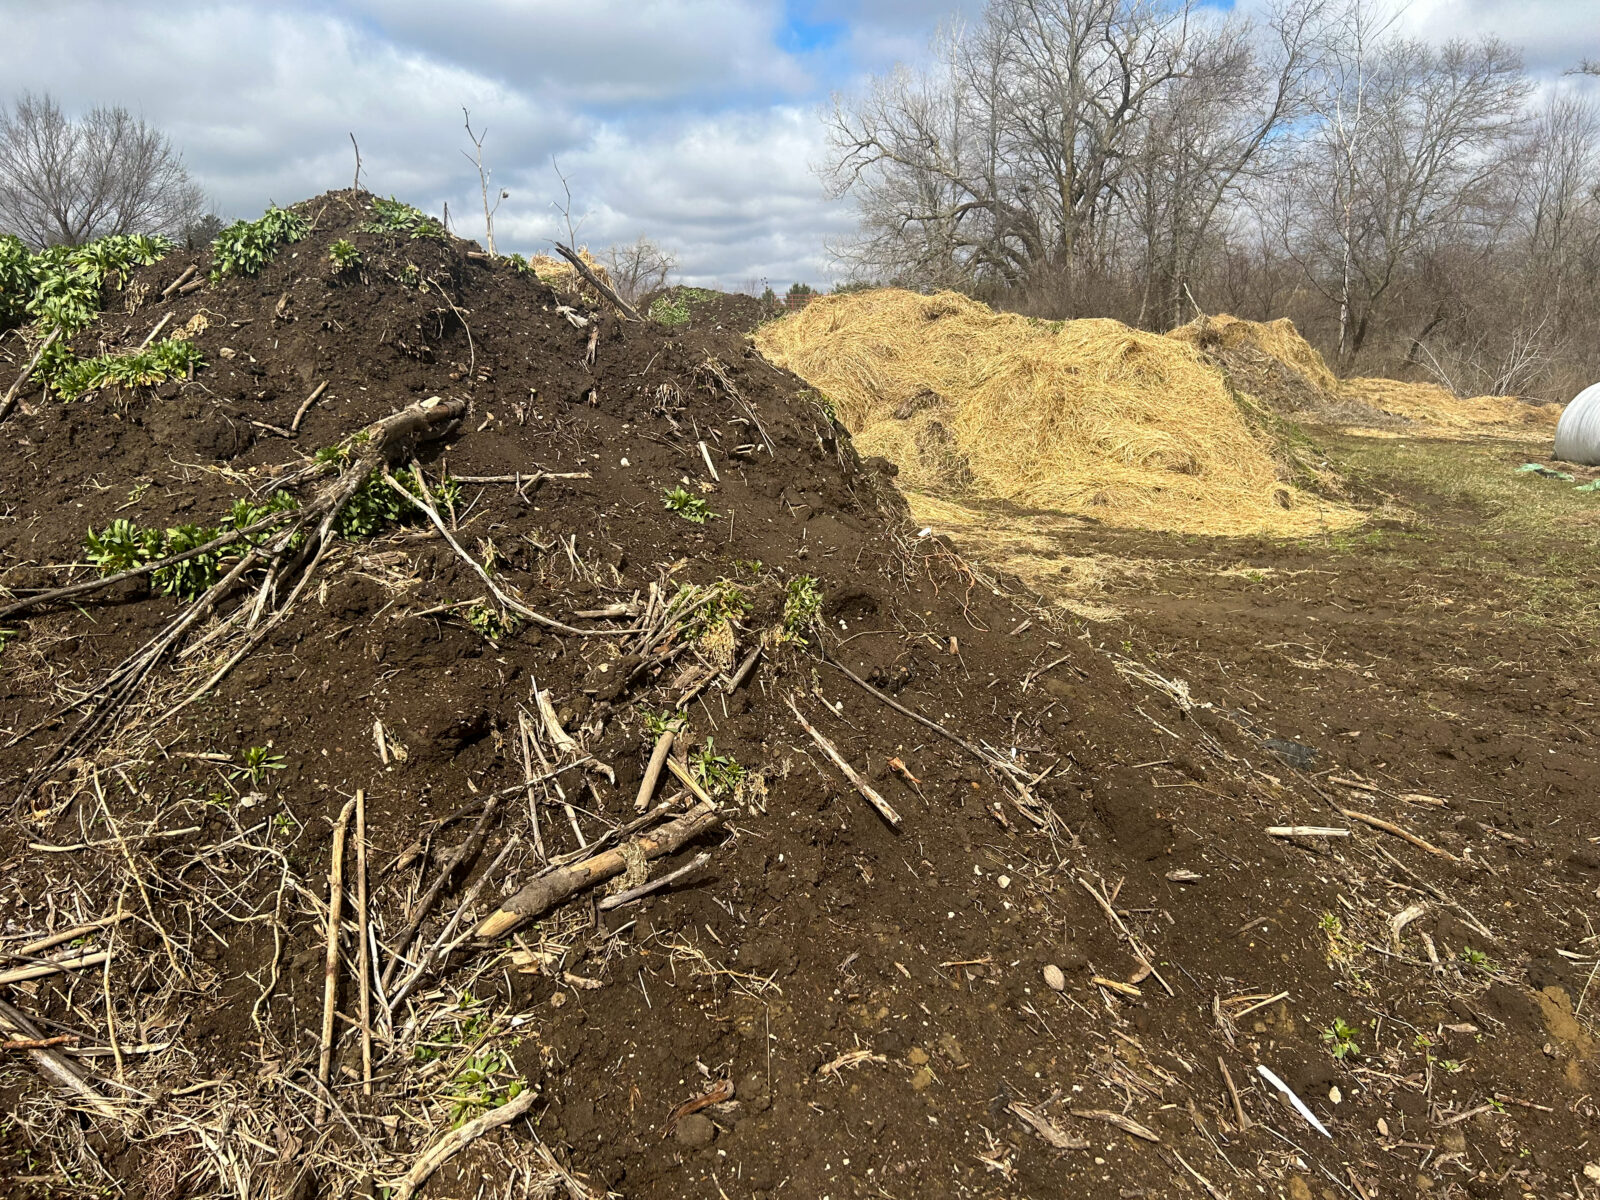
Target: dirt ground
1061,971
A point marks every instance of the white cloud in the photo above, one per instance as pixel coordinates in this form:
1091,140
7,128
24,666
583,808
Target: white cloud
732,194
604,51
1553,34
685,119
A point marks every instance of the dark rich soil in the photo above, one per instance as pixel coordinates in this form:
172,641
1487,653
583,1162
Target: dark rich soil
877,998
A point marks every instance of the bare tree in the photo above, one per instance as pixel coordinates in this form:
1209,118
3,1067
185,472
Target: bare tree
1019,158
1410,141
65,181
638,268
1206,135
476,158
1003,163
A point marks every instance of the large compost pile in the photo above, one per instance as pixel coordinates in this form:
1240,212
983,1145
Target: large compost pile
461,741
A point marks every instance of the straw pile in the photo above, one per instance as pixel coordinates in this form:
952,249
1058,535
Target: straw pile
1278,340
1087,417
1432,410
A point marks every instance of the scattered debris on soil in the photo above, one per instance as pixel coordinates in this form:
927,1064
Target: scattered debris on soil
444,818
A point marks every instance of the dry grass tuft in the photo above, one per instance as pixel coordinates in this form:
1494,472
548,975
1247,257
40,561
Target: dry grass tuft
1087,417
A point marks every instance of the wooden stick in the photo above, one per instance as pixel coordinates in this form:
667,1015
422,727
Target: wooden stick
1391,827
654,885
455,1140
330,972
464,854
305,406
188,274
55,1068
686,777
705,453
885,809
15,389
1289,831
594,281
505,601
519,480
363,954
1233,1094
1138,950
66,935
744,670
40,970
526,736
652,772
545,892
151,336
65,1039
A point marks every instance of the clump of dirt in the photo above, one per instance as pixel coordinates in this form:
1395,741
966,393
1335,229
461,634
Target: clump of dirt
527,541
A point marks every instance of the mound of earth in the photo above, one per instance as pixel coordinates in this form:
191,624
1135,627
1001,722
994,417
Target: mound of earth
313,843
705,309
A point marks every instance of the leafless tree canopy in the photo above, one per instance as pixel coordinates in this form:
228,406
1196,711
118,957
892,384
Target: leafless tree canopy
1408,204
64,181
639,268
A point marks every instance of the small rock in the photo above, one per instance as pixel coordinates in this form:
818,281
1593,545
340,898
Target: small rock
1592,1173
917,1056
1054,977
695,1131
922,1078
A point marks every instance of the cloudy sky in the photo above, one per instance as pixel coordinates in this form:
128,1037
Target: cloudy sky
695,121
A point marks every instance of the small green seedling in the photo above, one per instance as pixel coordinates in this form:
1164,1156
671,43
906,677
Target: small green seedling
344,256
491,622
718,774
1341,1039
257,761
802,606
658,723
688,506
1477,958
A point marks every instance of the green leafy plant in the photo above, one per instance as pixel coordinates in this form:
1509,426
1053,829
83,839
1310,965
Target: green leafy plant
398,217
802,607
372,510
61,286
672,308
256,762
1341,1039
658,723
1477,958
688,506
172,358
246,247
478,1086
492,622
718,774
344,256
122,546
194,575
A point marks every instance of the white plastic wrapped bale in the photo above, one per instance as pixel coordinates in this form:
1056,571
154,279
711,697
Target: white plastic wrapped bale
1578,431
